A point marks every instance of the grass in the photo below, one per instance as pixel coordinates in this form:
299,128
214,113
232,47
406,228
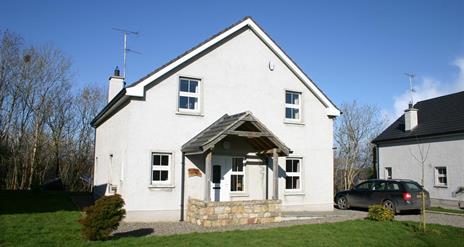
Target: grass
446,210
50,219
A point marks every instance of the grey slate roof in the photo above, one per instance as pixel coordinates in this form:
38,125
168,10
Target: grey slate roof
219,128
437,116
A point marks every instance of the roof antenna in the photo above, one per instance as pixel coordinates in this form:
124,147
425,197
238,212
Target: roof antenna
126,32
411,89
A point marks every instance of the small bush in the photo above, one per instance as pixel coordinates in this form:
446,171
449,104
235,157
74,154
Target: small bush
102,218
379,213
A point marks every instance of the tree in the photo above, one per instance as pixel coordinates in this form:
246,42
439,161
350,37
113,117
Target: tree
354,131
45,128
423,153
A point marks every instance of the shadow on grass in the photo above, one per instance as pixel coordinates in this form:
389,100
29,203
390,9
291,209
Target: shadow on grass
25,202
134,233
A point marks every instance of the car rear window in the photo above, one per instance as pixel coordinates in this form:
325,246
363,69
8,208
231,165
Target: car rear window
412,187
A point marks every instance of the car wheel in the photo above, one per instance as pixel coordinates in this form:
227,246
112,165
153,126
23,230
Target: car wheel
389,205
342,202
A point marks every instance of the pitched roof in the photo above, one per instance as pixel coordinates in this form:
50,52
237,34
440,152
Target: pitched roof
437,116
225,126
137,88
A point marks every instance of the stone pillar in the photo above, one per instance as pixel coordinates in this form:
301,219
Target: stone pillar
275,173
208,169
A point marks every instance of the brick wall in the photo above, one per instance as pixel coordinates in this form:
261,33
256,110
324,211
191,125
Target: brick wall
213,214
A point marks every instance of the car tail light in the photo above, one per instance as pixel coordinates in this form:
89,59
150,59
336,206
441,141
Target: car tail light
407,196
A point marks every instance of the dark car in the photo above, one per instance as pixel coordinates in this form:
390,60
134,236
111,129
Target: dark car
394,194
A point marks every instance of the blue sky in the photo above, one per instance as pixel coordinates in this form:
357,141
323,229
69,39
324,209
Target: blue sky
353,50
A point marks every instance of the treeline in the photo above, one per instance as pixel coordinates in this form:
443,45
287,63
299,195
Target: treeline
45,130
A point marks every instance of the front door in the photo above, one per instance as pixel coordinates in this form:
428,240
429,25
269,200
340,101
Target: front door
220,184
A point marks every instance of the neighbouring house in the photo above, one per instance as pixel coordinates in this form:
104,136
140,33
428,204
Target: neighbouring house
431,133
232,119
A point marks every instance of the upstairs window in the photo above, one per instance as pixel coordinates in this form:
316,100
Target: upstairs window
293,174
189,95
161,168
441,178
292,106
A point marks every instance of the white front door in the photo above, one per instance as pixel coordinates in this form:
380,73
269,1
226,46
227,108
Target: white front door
220,183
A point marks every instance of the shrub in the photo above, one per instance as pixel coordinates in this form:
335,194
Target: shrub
102,218
379,213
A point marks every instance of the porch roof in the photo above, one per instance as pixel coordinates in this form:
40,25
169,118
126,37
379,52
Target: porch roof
242,124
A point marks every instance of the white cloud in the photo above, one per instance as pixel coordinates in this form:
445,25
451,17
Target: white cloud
429,88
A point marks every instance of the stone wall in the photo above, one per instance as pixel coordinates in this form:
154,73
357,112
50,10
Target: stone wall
213,214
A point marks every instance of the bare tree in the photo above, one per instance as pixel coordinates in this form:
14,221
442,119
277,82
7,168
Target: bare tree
421,158
354,130
45,128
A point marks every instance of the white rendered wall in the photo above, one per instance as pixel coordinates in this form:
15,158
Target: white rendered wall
444,151
235,78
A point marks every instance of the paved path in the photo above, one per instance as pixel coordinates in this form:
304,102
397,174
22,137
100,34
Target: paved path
288,219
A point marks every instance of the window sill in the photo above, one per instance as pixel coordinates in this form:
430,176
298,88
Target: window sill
441,186
198,114
286,121
161,186
294,193
238,194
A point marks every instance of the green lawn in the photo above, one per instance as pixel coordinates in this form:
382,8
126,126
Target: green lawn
446,210
50,219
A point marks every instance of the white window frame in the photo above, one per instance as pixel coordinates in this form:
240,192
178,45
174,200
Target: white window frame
167,168
388,172
238,173
294,174
294,106
438,175
196,95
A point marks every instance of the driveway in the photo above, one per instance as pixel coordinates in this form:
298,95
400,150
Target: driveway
340,215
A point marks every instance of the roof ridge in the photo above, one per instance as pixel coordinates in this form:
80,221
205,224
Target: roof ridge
438,97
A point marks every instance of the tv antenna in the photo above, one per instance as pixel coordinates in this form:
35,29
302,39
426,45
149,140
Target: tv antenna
126,32
411,89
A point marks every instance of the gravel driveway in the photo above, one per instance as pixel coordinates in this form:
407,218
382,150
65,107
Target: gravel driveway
288,219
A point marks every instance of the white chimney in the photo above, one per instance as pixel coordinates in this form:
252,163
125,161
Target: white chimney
116,84
410,118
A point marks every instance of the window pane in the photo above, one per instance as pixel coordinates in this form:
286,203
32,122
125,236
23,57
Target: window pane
156,160
288,98
164,160
288,183
288,166
296,165
239,182
442,171
296,99
184,85
183,102
193,86
164,176
233,183
192,103
289,113
296,182
237,164
156,176
296,114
